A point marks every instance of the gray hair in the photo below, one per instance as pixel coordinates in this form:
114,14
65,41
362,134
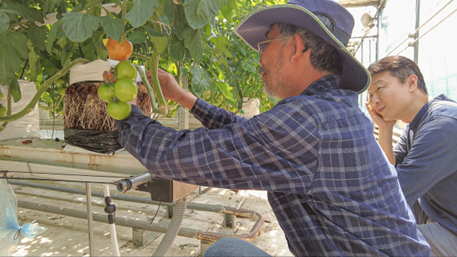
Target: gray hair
324,56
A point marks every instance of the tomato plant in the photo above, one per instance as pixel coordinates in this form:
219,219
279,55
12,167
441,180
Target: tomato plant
189,42
119,110
119,51
125,69
106,93
125,89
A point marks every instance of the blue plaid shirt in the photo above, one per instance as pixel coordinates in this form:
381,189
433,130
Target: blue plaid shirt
331,188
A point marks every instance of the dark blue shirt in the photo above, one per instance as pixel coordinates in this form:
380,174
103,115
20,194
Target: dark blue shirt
329,184
426,161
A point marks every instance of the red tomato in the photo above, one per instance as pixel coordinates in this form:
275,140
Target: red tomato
120,52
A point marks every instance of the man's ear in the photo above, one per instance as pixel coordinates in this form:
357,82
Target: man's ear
299,46
412,82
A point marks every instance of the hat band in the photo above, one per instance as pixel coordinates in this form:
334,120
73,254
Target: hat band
342,36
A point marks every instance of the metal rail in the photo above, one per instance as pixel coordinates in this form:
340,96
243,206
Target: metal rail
135,224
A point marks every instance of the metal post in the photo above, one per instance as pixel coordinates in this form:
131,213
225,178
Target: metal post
416,45
89,218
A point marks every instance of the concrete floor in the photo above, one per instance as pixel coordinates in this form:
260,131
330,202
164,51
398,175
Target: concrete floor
68,236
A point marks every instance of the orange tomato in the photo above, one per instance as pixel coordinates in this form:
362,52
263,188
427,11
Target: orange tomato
120,52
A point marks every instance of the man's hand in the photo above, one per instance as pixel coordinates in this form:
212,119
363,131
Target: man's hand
378,119
172,90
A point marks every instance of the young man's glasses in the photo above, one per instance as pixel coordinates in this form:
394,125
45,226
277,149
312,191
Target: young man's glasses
261,45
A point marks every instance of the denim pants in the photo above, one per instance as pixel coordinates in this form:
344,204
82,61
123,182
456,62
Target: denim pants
229,246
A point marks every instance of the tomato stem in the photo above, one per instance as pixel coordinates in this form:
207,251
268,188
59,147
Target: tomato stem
8,110
148,88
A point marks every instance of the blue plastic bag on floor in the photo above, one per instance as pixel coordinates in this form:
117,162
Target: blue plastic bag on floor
10,229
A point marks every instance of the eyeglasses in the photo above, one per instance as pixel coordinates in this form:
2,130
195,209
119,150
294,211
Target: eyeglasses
262,45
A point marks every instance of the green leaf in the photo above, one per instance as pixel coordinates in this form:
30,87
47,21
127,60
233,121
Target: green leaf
46,97
177,48
223,44
49,66
15,90
180,22
13,50
193,42
65,55
38,36
97,39
18,41
33,58
90,52
232,4
79,26
200,12
152,32
141,11
23,10
113,27
160,43
137,37
226,89
159,40
52,35
4,21
227,12
170,9
49,5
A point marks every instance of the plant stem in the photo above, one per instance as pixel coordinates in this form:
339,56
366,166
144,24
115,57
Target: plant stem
8,111
154,65
154,105
144,57
42,89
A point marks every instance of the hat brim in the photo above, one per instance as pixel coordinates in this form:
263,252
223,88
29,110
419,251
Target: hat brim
253,28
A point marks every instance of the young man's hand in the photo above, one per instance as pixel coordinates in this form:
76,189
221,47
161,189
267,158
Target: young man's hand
378,119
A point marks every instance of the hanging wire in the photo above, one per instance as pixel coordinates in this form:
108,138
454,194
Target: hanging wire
25,65
417,30
153,218
417,39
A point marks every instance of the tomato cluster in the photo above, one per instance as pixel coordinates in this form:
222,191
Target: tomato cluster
119,89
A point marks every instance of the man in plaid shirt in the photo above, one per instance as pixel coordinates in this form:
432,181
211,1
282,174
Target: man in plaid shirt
329,184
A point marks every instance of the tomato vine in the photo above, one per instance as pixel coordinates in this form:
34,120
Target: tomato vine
40,38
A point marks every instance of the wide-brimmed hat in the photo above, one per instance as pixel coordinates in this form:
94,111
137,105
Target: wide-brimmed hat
302,13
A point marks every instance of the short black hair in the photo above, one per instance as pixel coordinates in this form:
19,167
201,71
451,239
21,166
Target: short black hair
399,67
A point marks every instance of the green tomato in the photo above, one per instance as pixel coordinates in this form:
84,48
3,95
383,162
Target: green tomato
119,110
105,93
62,90
125,89
60,81
125,69
2,110
1,95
